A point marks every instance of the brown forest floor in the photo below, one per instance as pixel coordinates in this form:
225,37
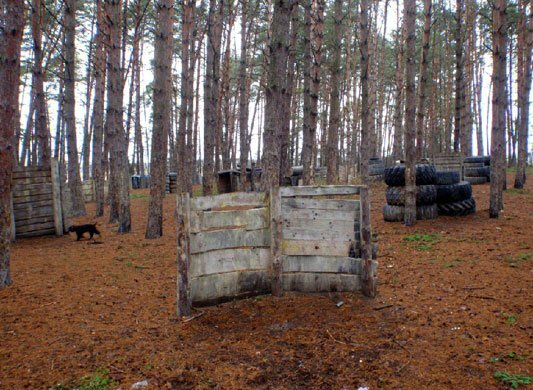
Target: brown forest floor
450,312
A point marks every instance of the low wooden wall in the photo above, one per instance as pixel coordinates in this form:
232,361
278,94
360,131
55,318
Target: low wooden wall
244,244
448,162
37,201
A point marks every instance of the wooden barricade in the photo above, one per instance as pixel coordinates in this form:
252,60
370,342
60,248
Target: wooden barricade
37,207
245,244
448,162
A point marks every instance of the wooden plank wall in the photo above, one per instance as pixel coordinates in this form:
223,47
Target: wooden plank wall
448,162
229,247
321,239
35,206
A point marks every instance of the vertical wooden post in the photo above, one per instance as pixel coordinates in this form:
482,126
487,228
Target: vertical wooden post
12,217
275,241
56,193
184,301
368,277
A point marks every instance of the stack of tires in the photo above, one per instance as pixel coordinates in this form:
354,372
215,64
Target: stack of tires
454,197
426,193
376,169
477,169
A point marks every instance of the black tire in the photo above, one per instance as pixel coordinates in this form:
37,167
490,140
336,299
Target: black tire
478,159
393,213
395,176
426,212
477,172
455,209
476,180
454,192
447,177
425,195
376,169
375,161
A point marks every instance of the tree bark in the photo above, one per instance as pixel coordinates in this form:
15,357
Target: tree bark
410,113
525,44
397,150
365,98
499,103
244,94
99,69
12,17
423,83
162,123
335,104
74,178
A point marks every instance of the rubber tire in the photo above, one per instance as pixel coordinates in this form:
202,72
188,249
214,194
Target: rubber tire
396,213
393,213
375,161
395,176
477,159
425,195
427,212
376,169
456,209
476,180
477,172
447,177
454,192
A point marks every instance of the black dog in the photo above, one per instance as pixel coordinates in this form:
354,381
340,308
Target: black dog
81,229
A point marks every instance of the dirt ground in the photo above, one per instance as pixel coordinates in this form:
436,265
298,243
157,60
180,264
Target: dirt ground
454,308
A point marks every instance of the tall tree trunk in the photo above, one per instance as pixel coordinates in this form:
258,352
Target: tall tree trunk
499,103
335,109
244,93
399,94
139,147
42,132
314,23
12,17
423,83
410,113
86,146
525,44
365,98
99,69
276,88
74,179
162,100
458,140
211,93
119,201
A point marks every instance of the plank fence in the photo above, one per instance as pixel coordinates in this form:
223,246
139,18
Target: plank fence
448,162
245,244
37,206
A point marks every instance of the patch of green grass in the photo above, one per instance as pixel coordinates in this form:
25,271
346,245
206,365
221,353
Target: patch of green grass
425,241
515,191
510,355
515,356
519,259
510,319
139,196
99,380
454,263
513,380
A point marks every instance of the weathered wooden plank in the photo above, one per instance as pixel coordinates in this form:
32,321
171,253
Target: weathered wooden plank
183,210
35,168
319,191
37,188
252,219
34,227
35,212
276,229
319,204
321,282
34,220
24,174
56,193
211,289
335,215
317,224
233,199
229,260
319,264
32,205
315,248
37,233
31,180
225,239
20,200
333,233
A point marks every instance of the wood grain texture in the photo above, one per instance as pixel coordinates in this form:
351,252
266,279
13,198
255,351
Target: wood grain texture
252,219
320,204
315,248
225,239
234,199
229,260
319,191
322,264
321,282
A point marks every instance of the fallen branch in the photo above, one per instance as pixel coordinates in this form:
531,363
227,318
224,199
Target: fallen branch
382,307
193,317
342,342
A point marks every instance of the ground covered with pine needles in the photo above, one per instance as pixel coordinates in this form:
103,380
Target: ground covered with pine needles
454,310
